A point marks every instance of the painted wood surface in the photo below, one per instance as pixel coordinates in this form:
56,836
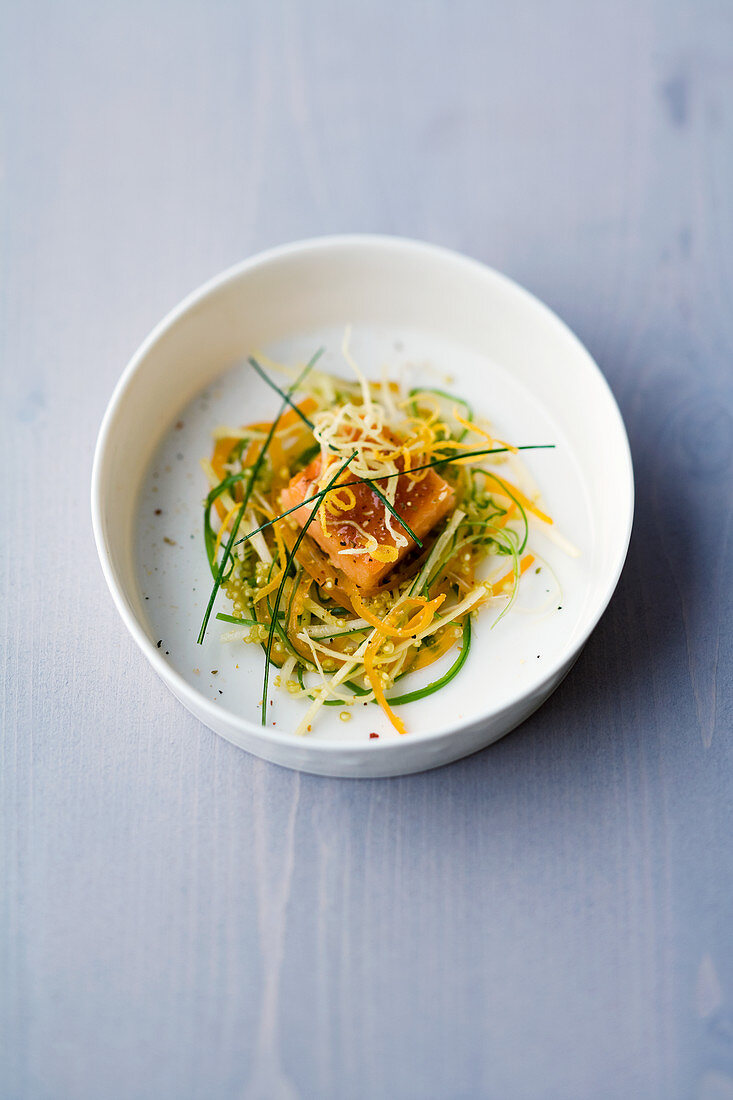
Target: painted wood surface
551,918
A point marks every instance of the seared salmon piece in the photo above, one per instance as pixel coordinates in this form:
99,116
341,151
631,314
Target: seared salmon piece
422,506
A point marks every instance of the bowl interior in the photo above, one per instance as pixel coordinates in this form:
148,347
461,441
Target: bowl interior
413,308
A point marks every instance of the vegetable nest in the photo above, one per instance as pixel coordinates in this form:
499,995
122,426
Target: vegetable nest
357,533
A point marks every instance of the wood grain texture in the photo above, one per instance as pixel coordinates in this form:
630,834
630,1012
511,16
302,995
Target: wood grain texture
551,918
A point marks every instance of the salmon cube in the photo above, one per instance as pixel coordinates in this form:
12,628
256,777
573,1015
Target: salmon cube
421,503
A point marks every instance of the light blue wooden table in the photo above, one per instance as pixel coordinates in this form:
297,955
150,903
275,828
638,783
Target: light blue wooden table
550,919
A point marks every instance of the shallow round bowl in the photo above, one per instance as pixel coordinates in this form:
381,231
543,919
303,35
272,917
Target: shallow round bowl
417,308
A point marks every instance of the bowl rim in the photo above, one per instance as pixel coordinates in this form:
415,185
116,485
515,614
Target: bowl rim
211,714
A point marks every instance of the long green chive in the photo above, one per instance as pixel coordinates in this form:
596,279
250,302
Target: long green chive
436,685
281,587
368,480
396,514
248,492
274,386
309,423
517,576
296,582
209,533
280,630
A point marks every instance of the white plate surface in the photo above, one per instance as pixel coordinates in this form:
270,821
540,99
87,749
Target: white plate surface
435,319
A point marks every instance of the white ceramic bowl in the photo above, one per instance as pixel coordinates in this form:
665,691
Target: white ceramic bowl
521,365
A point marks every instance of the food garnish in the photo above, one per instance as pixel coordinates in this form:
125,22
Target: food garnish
358,532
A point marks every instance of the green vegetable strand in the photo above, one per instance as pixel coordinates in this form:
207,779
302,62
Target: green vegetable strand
248,492
281,587
368,480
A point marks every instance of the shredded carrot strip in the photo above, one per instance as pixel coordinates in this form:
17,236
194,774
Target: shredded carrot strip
523,500
276,527
419,622
221,453
509,577
428,656
252,451
510,514
262,592
276,456
307,406
376,686
383,627
296,609
222,529
281,556
296,606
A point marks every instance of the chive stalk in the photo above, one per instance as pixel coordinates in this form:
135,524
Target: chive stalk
248,492
369,480
281,587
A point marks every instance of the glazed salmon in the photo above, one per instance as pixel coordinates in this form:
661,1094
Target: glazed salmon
422,506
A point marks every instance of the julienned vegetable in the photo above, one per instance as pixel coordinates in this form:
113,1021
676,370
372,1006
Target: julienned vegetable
354,535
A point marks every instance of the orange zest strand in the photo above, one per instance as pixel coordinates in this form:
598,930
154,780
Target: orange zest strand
492,439
471,427
336,503
385,553
509,446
